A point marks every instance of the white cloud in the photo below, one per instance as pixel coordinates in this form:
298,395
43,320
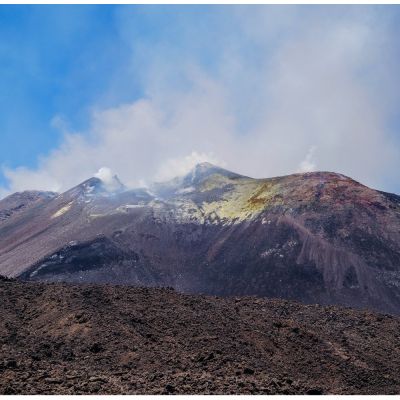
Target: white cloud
182,165
104,174
109,179
264,117
308,165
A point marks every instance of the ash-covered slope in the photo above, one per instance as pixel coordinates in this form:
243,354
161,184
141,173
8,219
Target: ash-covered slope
65,339
20,201
316,237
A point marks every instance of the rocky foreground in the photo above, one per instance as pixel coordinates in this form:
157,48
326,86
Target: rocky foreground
65,339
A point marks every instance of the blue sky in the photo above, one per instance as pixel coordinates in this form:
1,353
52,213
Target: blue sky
52,63
149,90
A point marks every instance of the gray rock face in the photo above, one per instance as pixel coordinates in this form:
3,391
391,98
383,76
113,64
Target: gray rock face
316,237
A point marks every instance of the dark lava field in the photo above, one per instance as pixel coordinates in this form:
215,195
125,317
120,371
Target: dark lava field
102,339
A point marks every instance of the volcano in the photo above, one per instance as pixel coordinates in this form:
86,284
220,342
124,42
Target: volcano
318,237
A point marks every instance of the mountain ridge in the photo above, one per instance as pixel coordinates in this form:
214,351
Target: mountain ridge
318,237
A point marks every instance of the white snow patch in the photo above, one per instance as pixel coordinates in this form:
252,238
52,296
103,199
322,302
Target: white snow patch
62,210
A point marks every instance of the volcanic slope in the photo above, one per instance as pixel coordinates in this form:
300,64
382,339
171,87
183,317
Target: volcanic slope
57,338
317,237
